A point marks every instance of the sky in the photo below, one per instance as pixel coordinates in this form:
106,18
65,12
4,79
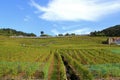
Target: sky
59,16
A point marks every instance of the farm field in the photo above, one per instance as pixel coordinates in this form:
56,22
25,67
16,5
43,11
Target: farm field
59,58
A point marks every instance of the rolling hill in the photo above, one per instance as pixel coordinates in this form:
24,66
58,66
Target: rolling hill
12,32
111,31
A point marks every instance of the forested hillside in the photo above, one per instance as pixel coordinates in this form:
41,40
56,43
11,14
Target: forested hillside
111,31
12,32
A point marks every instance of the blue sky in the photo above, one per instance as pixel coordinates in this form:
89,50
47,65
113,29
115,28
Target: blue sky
59,16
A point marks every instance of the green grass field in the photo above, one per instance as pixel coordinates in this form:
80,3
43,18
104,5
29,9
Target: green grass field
58,58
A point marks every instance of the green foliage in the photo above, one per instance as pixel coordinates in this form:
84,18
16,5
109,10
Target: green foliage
62,71
105,70
89,57
12,32
60,35
42,32
67,34
82,71
35,58
111,32
14,68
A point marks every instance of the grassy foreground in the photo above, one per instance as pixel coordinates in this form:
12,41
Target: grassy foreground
81,57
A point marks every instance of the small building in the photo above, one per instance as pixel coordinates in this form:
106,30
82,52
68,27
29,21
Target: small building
114,40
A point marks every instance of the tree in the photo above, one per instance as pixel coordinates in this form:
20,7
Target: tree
72,34
42,32
60,34
67,34
12,32
111,31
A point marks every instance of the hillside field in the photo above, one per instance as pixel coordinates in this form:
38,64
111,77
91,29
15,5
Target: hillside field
59,58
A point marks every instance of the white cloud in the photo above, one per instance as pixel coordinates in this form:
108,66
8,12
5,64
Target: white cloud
67,27
73,10
27,18
55,31
79,31
76,31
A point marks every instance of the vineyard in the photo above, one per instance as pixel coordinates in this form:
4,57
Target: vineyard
62,58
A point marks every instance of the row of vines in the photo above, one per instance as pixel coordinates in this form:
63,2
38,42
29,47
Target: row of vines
92,64
84,64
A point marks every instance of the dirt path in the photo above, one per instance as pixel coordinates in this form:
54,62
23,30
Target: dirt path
71,75
51,69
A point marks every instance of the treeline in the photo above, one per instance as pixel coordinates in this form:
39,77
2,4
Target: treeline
112,31
67,34
12,32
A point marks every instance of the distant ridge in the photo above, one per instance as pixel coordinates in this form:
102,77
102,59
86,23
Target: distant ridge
110,32
13,32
